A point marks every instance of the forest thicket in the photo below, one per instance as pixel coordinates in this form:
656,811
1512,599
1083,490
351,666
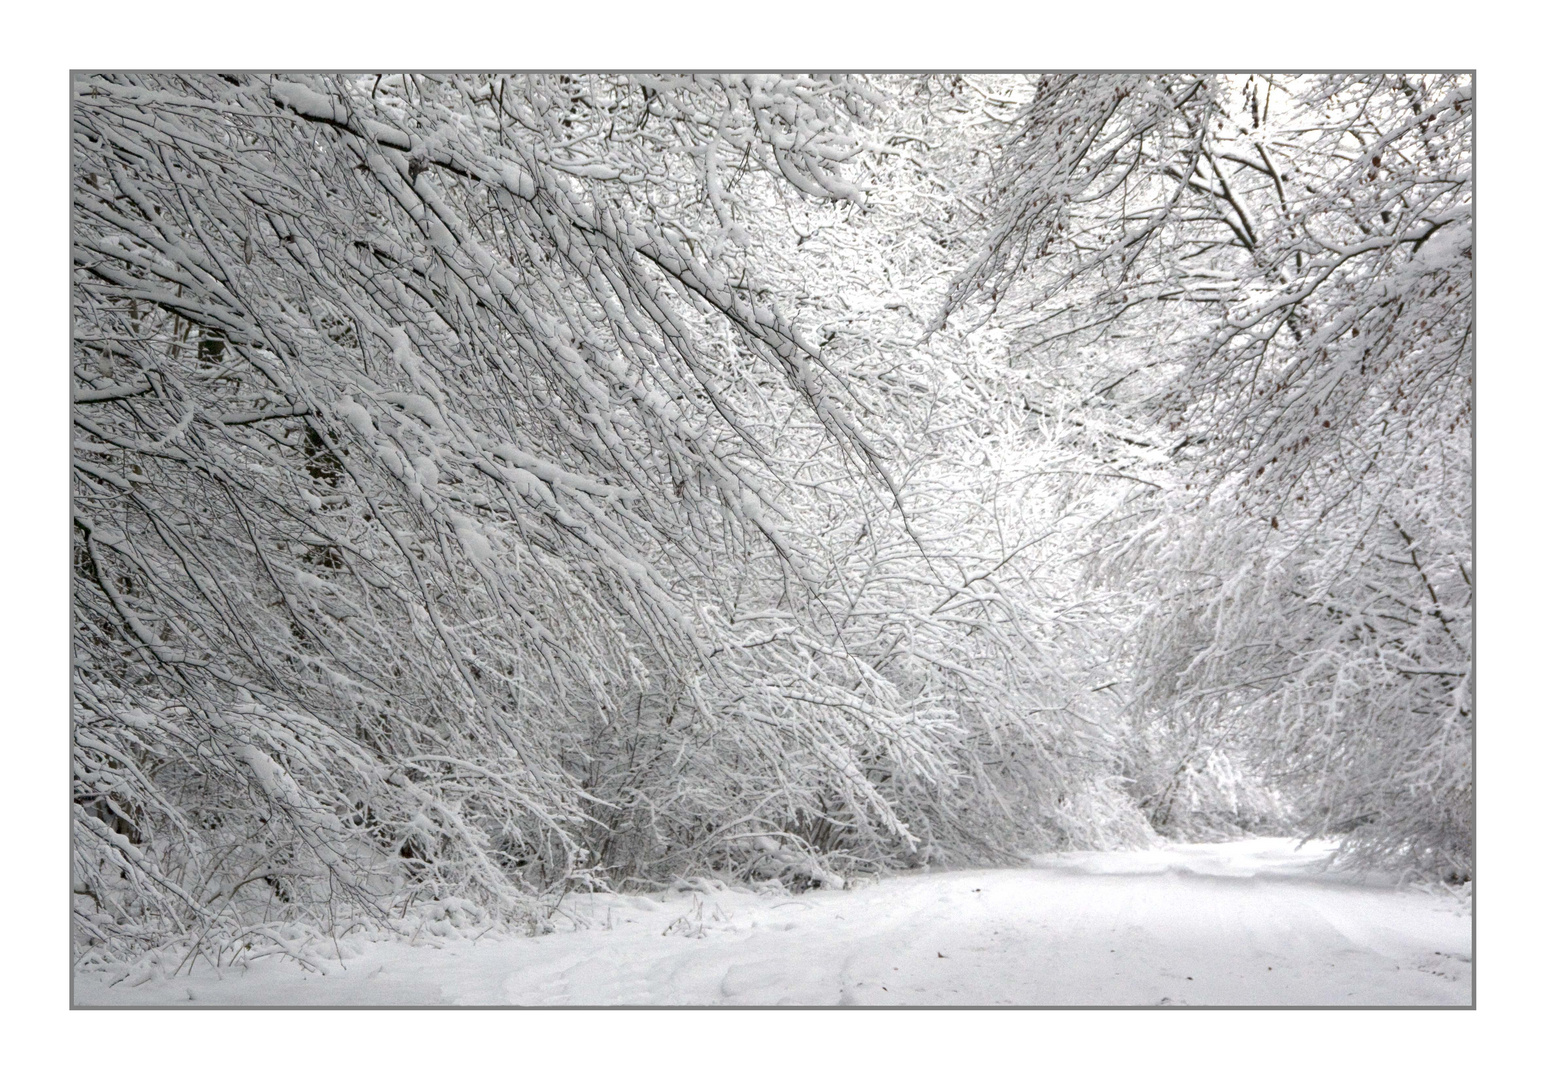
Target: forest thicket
486,487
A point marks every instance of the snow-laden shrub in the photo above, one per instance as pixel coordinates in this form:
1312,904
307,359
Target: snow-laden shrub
1255,294
1191,791
457,518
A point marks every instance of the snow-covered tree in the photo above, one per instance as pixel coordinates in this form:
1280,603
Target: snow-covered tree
1269,281
489,486
458,515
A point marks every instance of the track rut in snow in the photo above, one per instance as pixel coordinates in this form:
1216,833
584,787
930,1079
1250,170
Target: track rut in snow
1252,922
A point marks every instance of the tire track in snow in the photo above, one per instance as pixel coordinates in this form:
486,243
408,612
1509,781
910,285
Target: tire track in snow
1250,923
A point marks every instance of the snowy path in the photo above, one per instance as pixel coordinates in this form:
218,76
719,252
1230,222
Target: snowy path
1245,923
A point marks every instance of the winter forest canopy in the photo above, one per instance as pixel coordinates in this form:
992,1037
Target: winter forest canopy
490,487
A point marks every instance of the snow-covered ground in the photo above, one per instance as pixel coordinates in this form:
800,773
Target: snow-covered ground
1252,922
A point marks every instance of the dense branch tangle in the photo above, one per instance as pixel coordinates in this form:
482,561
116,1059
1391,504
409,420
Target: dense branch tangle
430,536
490,486
1276,276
